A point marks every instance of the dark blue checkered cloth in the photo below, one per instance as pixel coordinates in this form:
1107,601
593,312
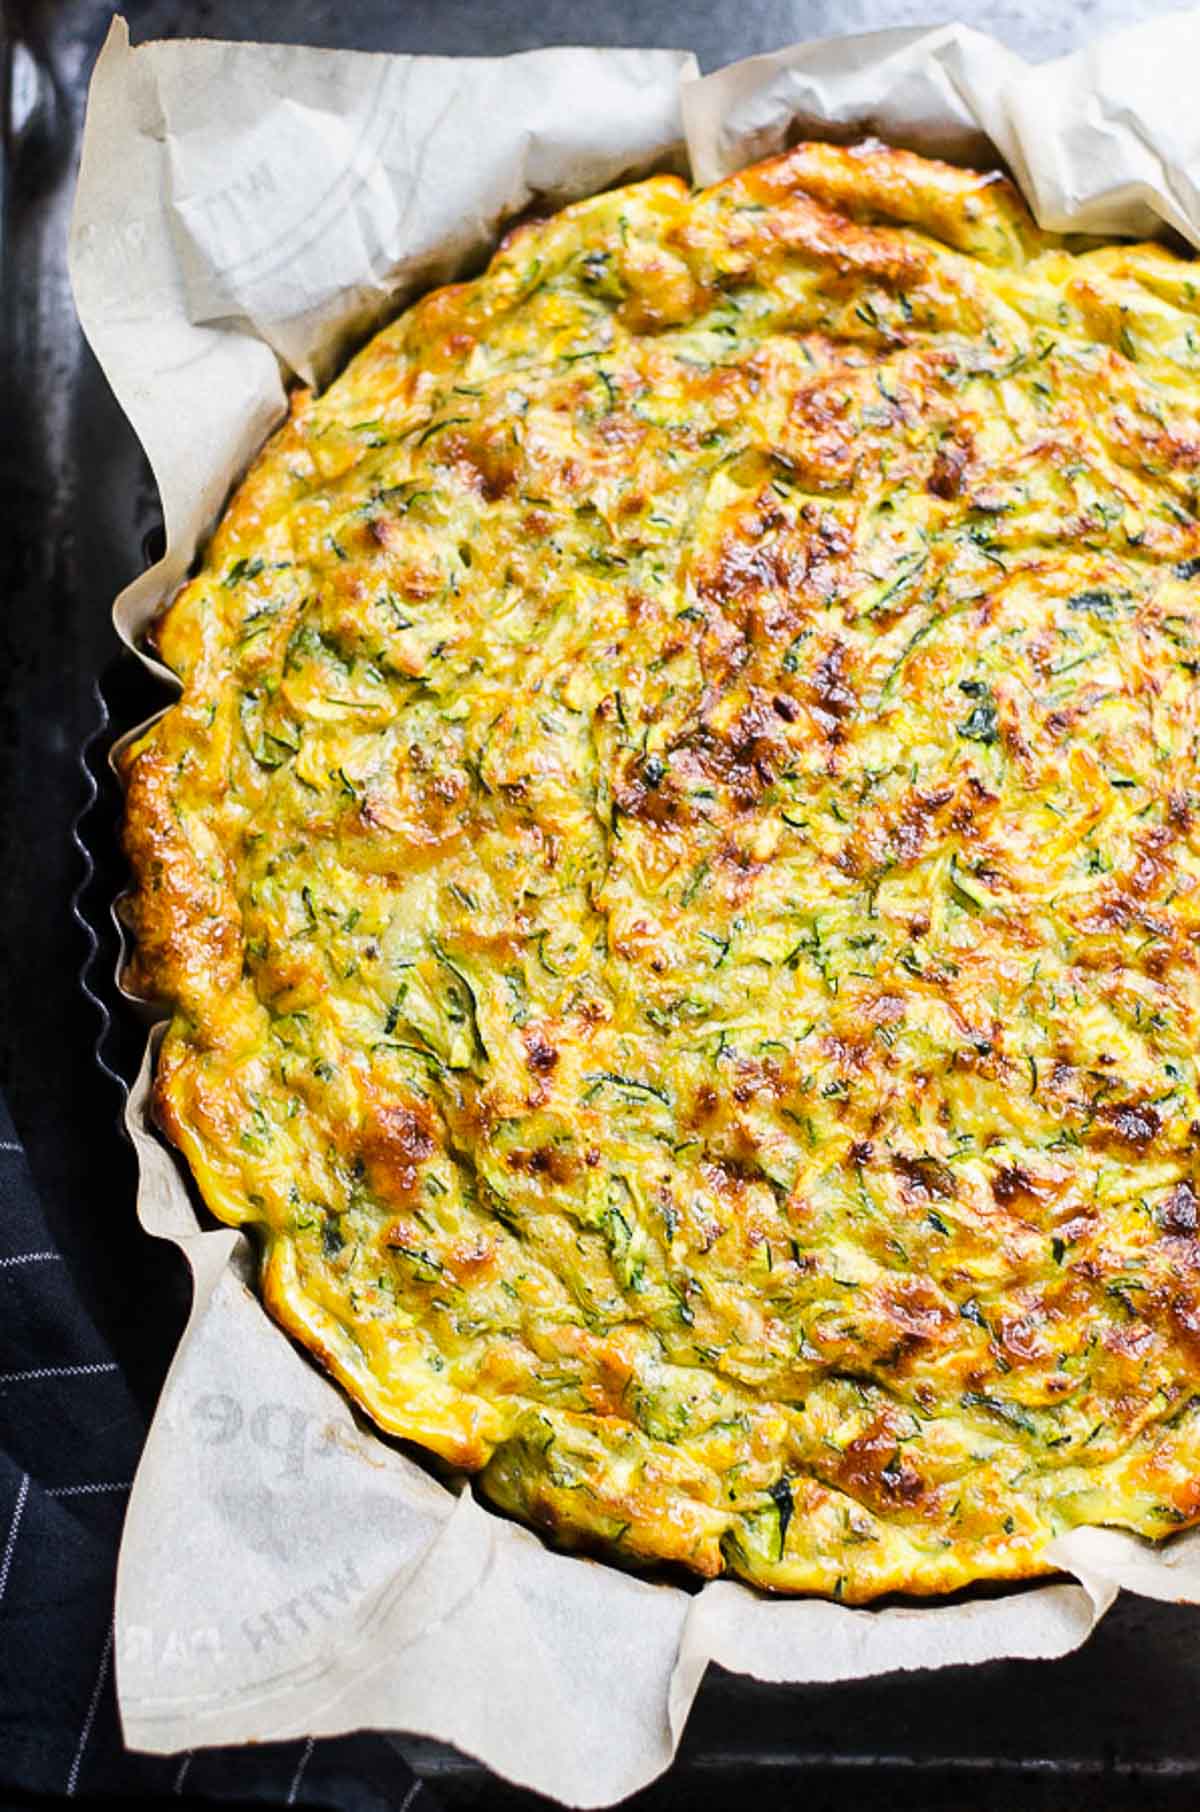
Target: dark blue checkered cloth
70,1435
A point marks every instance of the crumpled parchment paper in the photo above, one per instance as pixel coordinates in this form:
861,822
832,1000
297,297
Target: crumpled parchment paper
242,211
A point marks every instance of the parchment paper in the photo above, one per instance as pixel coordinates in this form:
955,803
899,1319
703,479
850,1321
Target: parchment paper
241,210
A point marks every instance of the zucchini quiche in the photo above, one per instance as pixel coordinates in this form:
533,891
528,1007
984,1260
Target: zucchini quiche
674,875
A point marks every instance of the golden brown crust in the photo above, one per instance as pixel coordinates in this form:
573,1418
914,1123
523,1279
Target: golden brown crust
675,870
185,922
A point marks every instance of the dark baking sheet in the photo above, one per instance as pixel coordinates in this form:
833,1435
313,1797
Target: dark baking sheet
1111,1727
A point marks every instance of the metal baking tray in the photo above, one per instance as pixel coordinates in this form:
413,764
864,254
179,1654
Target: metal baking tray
1112,1727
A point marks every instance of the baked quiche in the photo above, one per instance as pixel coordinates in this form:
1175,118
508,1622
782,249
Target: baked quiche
674,876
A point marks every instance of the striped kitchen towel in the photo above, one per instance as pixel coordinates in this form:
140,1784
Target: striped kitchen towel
70,1434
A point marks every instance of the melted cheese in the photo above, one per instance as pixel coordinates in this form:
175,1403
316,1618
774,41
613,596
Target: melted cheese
674,871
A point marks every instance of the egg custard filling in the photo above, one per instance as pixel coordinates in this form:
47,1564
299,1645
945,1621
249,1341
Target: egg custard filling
674,874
